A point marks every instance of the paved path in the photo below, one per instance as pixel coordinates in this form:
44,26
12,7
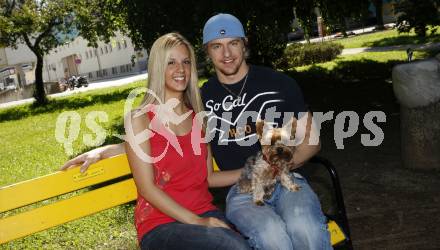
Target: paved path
93,85
428,46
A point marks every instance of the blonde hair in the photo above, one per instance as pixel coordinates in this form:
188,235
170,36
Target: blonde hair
157,64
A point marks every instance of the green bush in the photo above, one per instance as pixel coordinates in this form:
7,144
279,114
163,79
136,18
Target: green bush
298,54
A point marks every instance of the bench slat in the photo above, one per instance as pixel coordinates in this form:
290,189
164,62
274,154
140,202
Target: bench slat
45,217
42,188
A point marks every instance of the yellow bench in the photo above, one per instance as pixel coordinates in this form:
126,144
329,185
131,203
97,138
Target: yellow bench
86,203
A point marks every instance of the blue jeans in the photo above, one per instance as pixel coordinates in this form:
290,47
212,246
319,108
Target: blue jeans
288,220
181,236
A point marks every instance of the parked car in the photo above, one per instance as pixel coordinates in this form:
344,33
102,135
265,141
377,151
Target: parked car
297,34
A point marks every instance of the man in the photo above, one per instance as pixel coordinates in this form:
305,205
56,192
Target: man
234,99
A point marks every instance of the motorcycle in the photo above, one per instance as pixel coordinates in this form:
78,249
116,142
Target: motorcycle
77,82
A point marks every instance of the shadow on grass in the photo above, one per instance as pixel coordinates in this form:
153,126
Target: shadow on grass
401,40
68,103
360,85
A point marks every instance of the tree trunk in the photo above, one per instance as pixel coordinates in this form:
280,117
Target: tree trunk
40,93
378,5
420,136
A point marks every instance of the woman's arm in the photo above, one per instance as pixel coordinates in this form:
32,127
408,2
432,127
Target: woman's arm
221,178
143,175
95,155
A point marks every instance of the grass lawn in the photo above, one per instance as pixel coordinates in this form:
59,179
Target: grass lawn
378,57
387,38
29,150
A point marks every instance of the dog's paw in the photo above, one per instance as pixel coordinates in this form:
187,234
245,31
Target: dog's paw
259,203
294,188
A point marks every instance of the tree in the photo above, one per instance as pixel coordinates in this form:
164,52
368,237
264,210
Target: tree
336,12
417,14
266,23
378,5
46,24
305,13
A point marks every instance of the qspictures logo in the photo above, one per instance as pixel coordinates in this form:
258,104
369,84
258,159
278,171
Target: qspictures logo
346,125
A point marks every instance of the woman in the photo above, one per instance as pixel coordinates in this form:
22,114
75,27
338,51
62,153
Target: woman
174,207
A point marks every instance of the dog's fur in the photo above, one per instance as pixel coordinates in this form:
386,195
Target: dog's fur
262,171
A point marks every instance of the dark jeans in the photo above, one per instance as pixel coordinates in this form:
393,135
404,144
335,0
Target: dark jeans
181,236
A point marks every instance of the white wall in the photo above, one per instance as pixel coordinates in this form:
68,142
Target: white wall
111,55
53,68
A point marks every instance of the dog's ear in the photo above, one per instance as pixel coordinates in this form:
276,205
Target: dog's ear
259,125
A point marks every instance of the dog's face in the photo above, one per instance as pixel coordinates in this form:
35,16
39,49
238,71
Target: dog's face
273,141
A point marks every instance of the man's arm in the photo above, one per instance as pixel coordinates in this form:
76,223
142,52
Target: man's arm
221,178
306,149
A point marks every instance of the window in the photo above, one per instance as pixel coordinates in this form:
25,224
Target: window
128,66
96,52
91,53
102,51
119,45
122,69
114,71
90,75
104,72
106,49
87,55
125,44
110,48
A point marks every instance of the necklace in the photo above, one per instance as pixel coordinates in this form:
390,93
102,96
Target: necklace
241,90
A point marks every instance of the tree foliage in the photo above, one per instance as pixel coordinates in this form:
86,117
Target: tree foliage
305,13
266,22
417,14
336,12
378,5
45,24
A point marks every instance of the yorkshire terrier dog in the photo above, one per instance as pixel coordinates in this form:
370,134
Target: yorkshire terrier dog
262,171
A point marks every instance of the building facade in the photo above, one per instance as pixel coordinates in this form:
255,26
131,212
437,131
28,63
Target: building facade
114,59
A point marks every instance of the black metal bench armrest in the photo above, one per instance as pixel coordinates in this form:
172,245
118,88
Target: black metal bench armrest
342,215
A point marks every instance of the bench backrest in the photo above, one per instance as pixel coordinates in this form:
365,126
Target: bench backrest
80,205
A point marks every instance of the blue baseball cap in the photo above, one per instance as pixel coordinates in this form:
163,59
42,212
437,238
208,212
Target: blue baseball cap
222,26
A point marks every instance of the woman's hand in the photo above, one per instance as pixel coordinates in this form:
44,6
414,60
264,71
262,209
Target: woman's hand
95,155
211,222
85,159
